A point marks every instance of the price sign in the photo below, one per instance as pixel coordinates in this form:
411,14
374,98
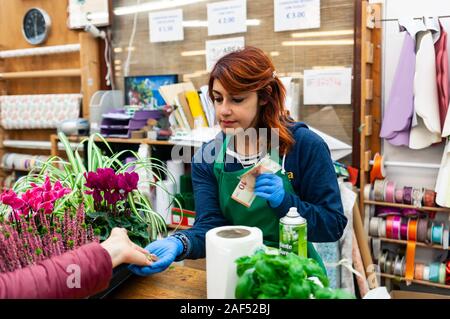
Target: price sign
296,14
166,26
227,17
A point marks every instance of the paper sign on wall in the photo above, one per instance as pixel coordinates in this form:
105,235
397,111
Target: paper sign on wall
215,49
296,14
166,26
227,17
327,86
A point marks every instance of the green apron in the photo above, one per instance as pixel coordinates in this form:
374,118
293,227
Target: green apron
259,214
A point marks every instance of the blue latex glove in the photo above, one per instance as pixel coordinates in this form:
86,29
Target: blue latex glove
166,249
270,187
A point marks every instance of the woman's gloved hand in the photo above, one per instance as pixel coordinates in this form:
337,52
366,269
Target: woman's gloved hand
166,250
270,187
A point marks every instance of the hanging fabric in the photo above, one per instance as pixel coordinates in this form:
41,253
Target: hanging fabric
427,129
396,122
440,47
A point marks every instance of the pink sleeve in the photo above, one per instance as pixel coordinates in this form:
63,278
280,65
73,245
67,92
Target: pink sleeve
75,274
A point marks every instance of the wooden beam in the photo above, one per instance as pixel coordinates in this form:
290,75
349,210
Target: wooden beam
40,74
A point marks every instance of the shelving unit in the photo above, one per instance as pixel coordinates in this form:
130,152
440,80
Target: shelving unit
423,208
405,242
420,282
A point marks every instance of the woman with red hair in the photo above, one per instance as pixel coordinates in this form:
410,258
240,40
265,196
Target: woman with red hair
249,97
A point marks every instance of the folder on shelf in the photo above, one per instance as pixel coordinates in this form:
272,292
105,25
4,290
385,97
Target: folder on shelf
187,111
196,109
171,91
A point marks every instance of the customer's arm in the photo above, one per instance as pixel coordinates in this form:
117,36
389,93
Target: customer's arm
75,274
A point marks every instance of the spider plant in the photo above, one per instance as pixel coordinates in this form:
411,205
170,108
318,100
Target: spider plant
71,174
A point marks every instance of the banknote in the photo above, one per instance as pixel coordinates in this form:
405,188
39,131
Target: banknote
244,193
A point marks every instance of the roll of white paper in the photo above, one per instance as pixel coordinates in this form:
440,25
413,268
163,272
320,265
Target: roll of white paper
223,246
176,169
164,196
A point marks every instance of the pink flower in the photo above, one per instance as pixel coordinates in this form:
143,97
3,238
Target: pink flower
10,198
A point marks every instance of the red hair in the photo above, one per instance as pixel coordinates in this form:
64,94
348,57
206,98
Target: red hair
251,70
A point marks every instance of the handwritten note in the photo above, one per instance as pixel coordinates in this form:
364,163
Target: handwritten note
327,86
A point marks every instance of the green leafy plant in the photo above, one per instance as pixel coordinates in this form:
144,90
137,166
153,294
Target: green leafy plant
135,213
274,276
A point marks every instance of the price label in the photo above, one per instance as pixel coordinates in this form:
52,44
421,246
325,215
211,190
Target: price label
296,14
166,26
215,49
227,17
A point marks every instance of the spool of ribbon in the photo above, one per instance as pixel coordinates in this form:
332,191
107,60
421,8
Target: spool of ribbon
398,266
437,233
399,195
447,273
376,246
373,226
404,229
426,273
378,188
377,171
434,272
442,274
410,255
382,229
429,198
367,189
389,227
388,266
410,212
417,196
418,271
412,230
382,262
446,239
396,225
429,241
407,195
389,192
422,228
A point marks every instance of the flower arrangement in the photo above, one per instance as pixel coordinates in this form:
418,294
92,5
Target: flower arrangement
32,233
103,185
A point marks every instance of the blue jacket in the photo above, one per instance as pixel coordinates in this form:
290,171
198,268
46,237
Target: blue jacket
314,181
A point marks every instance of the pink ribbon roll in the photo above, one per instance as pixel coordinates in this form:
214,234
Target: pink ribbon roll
383,211
404,229
396,225
389,192
399,195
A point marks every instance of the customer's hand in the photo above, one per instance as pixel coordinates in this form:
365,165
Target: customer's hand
123,250
270,187
166,250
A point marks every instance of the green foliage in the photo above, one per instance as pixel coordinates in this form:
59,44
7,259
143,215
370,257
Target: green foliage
275,276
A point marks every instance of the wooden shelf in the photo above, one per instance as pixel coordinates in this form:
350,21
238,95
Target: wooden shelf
41,74
420,282
178,227
423,208
404,242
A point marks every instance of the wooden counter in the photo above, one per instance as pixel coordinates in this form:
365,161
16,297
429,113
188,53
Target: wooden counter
177,282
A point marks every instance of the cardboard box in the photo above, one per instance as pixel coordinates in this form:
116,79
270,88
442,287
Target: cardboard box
402,294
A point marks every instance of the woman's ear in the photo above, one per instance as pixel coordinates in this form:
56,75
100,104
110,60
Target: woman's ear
263,98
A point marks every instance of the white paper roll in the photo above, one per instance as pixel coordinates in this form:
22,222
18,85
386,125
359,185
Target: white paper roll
176,169
223,246
164,195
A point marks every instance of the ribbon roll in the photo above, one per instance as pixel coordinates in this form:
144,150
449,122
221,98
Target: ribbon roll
389,192
399,195
442,274
382,229
382,211
407,195
445,240
417,196
404,229
437,233
428,241
426,273
434,272
410,212
412,230
388,266
378,188
367,190
376,247
410,255
373,226
418,271
396,225
429,198
447,273
382,262
377,171
398,266
389,227
422,228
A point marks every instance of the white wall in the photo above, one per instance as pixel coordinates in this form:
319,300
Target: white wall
392,43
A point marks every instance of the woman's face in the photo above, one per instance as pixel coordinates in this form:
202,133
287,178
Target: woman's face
234,111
